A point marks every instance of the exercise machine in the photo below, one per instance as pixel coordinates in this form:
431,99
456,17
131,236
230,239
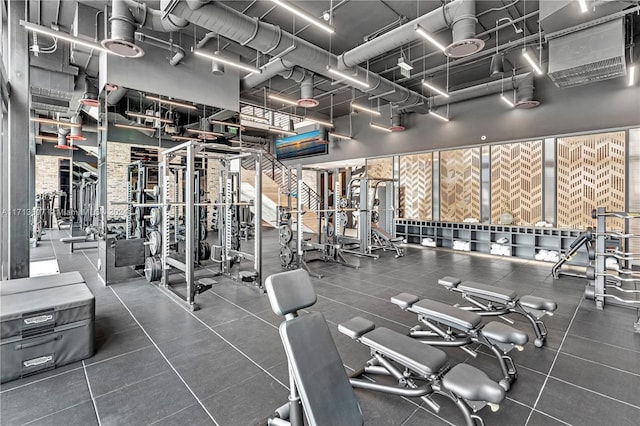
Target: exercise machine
488,300
315,365
585,239
449,326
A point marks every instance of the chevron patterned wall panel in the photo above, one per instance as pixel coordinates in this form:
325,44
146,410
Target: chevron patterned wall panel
380,168
415,186
460,184
516,182
591,173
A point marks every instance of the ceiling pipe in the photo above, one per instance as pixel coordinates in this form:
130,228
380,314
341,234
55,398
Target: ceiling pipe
463,30
481,90
524,94
272,68
179,51
116,95
270,39
459,13
154,19
397,124
306,93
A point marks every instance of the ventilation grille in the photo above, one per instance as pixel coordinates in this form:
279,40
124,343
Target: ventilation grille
601,70
589,55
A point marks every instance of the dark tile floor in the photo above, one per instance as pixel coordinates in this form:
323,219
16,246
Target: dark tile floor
157,363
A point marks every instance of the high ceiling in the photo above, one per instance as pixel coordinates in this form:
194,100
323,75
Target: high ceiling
355,22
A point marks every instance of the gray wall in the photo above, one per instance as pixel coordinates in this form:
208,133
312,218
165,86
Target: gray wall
605,105
191,80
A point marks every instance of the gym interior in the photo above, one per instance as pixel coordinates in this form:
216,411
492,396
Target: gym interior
322,212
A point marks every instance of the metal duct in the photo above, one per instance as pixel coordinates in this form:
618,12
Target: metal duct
270,39
306,93
122,40
524,94
480,90
62,140
217,68
179,51
274,67
76,132
396,122
90,95
114,96
154,19
459,12
463,30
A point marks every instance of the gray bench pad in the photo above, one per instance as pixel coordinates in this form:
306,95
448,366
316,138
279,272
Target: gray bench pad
538,303
356,327
496,294
404,300
422,359
447,315
449,281
472,384
22,285
498,332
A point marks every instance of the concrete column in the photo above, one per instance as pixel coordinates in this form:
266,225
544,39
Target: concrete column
18,146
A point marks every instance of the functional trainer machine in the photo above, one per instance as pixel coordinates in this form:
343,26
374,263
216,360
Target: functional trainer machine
421,370
449,326
488,300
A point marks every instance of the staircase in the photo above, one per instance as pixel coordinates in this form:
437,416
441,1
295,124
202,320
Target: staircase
274,188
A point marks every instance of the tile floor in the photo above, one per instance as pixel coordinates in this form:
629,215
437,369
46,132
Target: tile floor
157,363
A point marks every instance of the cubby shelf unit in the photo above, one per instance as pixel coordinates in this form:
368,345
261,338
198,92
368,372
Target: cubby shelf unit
523,241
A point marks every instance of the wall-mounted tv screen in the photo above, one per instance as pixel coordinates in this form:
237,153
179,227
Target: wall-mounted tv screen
302,145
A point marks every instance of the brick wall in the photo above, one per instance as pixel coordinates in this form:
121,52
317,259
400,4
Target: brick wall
118,159
48,175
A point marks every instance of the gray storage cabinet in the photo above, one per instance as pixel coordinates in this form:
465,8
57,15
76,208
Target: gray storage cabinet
43,329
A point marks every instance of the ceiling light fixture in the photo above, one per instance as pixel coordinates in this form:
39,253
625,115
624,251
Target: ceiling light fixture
279,130
217,56
283,100
439,116
632,75
435,89
583,6
534,65
54,122
63,36
254,118
364,108
148,117
421,31
204,132
507,100
170,102
305,16
379,127
339,136
320,122
133,126
404,65
345,76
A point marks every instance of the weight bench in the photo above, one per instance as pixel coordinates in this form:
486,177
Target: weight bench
381,239
421,371
453,327
488,300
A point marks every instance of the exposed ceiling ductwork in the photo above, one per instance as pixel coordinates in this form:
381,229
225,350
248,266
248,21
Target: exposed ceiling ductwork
270,39
459,14
306,93
397,124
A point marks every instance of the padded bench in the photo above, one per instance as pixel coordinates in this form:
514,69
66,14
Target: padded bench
49,325
502,302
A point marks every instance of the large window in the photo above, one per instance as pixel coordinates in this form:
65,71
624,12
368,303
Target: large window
590,174
516,182
415,186
460,184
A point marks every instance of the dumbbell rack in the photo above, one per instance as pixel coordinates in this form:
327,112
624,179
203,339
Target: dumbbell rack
603,279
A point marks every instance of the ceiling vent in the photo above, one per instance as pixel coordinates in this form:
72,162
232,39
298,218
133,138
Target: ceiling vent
589,55
396,123
122,41
306,93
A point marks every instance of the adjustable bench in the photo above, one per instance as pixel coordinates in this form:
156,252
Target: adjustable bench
488,300
453,327
421,371
380,239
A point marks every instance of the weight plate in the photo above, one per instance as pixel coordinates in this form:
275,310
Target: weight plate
203,231
343,203
285,234
235,243
203,213
343,218
375,217
286,256
137,233
155,240
330,230
155,216
235,227
205,250
376,202
138,213
152,268
156,191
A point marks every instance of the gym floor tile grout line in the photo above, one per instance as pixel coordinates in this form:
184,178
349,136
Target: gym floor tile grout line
265,382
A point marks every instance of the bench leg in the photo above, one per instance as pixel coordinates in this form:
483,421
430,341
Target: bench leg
538,326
